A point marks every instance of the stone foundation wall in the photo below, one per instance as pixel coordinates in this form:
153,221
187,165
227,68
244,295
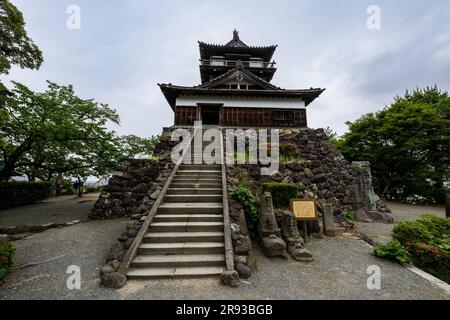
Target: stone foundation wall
133,188
317,168
136,183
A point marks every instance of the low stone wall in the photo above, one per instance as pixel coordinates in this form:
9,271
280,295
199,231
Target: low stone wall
244,262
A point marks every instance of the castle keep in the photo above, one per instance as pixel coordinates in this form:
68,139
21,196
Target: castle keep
235,90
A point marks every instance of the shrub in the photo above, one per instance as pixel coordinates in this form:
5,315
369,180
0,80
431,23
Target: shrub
428,242
7,252
289,149
282,193
251,206
21,193
393,250
408,232
428,229
349,215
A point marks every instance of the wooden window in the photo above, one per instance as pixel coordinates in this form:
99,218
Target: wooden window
263,117
185,116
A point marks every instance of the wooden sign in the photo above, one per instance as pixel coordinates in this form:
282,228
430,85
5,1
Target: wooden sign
304,209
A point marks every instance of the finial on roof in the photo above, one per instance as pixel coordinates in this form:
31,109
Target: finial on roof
235,34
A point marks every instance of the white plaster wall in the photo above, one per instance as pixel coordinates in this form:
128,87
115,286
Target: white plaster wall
242,102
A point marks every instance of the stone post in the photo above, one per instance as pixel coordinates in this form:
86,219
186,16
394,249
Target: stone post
328,220
269,232
362,186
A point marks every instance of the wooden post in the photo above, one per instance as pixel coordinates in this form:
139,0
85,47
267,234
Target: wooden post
305,231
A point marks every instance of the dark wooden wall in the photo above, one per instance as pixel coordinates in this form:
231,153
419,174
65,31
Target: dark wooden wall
263,117
246,117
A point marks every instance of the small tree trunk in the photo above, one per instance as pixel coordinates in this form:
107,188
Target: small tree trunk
447,207
80,188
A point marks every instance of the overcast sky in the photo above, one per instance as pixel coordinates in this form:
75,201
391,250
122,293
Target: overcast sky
124,48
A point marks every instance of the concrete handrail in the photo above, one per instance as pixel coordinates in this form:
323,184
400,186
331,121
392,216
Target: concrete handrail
229,261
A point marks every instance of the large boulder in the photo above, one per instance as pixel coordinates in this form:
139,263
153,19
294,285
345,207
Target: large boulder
362,215
115,280
230,278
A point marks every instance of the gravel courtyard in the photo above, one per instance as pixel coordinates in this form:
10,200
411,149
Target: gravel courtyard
338,272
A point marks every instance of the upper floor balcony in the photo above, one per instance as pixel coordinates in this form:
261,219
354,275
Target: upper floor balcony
252,63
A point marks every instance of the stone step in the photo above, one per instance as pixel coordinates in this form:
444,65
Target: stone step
199,172
195,184
185,226
171,237
200,167
181,248
149,273
196,179
190,207
180,217
178,260
199,161
193,198
187,191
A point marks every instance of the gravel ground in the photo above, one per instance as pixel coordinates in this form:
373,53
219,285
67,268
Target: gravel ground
382,232
338,272
55,210
85,245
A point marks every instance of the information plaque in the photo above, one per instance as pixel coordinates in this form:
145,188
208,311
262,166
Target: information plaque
304,209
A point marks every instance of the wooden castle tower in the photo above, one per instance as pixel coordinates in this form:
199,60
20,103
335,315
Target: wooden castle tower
236,91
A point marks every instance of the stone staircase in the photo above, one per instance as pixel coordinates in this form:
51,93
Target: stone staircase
186,235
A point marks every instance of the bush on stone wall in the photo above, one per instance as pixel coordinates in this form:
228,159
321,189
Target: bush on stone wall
22,193
251,206
282,193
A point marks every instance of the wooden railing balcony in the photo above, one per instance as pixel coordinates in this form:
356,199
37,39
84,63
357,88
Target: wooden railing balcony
233,63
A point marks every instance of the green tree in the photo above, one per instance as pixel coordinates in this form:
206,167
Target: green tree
406,143
16,48
56,132
136,146
15,45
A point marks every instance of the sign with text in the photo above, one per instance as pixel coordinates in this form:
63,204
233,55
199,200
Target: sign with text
304,209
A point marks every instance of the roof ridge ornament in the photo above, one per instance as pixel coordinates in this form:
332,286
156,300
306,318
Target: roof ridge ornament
235,34
236,41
